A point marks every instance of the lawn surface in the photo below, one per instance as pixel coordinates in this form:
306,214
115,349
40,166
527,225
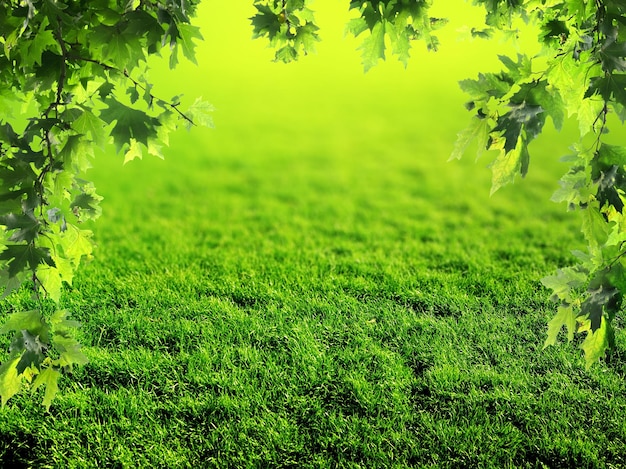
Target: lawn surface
311,284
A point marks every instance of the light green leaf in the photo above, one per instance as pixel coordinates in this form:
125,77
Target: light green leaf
134,151
50,279
200,113
596,343
69,351
373,47
565,317
478,129
76,243
506,166
588,111
564,281
595,228
155,149
61,323
187,33
568,76
10,381
306,37
48,377
356,26
401,42
89,124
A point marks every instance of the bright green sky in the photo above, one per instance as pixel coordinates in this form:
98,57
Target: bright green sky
229,58
260,103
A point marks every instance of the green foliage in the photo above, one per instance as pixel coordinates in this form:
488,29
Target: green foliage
399,21
78,74
581,73
289,26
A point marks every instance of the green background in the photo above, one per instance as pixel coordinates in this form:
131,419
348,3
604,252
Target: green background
312,284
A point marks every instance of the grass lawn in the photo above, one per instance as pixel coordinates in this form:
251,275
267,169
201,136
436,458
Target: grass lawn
312,285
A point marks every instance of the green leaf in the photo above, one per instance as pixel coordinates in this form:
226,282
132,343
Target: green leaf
200,113
129,123
510,124
588,111
48,377
613,55
76,243
50,279
593,307
25,320
30,349
77,153
373,47
504,168
356,26
86,203
9,284
547,97
569,77
478,129
507,164
611,155
565,317
120,47
564,282
595,228
187,33
610,86
487,84
69,351
60,321
25,227
134,151
42,41
306,37
10,381
401,42
517,70
286,54
596,343
89,124
265,22
25,256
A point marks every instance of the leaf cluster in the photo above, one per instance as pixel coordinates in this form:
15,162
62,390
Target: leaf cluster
399,22
289,25
73,77
581,74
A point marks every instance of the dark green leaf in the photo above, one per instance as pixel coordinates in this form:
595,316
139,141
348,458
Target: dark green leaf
129,123
25,227
24,256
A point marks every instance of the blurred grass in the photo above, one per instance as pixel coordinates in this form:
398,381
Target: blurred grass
311,284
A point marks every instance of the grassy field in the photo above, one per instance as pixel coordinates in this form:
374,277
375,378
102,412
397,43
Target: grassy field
312,285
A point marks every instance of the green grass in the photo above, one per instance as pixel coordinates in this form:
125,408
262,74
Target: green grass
313,285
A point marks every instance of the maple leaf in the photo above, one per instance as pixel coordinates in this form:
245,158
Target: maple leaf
373,47
129,123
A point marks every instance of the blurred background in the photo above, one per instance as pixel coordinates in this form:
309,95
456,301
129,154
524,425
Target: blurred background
321,125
